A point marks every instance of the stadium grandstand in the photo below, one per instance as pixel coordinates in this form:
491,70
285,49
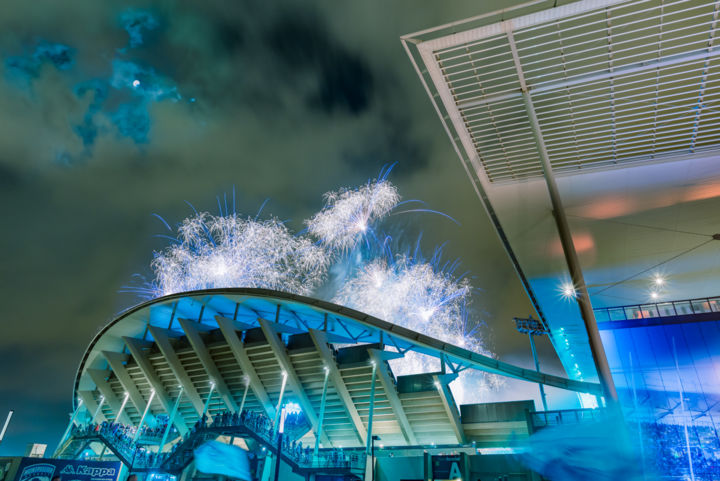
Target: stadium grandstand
168,375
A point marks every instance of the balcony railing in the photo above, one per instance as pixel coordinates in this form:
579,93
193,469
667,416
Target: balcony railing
542,419
659,309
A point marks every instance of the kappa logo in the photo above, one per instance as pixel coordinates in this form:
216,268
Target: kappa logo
37,472
68,469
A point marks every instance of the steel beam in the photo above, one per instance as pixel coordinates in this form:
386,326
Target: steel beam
371,410
192,331
99,377
116,360
441,383
227,327
379,357
135,346
281,355
321,419
162,340
319,338
171,420
563,227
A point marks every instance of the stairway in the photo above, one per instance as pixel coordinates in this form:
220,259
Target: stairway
182,455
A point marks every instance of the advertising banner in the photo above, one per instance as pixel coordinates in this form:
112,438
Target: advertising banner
40,469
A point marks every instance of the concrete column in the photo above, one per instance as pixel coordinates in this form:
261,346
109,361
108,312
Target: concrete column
142,419
170,420
369,461
321,416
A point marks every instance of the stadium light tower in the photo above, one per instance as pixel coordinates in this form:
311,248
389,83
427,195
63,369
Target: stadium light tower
533,327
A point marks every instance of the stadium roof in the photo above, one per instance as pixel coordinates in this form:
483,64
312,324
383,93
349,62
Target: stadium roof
612,82
611,104
248,337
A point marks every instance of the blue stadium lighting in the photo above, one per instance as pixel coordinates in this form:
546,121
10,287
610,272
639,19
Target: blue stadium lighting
568,290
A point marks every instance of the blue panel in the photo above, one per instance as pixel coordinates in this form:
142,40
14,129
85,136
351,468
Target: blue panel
676,432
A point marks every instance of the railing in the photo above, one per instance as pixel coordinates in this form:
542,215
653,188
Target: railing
659,309
251,424
542,419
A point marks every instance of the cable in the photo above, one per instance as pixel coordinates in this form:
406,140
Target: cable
666,229
653,267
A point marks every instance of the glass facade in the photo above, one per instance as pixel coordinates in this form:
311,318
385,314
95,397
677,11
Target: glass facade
668,380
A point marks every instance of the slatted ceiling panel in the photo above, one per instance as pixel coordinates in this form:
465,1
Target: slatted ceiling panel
620,83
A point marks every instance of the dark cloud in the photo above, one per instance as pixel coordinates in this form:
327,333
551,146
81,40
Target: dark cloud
230,37
23,70
291,99
137,24
344,81
9,177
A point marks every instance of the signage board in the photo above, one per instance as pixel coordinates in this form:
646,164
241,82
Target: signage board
43,469
447,467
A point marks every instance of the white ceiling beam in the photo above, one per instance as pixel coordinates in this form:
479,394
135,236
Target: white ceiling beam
136,348
162,340
228,328
380,358
99,377
320,339
278,348
192,331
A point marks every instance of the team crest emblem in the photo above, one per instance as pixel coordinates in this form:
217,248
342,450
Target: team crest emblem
37,472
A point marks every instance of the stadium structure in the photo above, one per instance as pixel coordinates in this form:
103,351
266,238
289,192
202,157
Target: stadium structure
590,132
172,373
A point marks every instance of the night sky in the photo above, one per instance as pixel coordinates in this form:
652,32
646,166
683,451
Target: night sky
111,111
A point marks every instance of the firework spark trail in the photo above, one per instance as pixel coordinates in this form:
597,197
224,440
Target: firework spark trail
349,213
425,298
424,295
229,251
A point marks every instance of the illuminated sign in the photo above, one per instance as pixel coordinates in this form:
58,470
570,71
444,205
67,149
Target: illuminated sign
39,469
448,467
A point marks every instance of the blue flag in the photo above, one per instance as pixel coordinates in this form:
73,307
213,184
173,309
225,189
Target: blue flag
600,451
215,457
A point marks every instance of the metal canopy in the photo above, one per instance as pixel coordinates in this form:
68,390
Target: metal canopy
169,351
612,82
252,307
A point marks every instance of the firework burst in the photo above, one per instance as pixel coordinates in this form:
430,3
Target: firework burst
426,297
414,295
349,214
229,251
